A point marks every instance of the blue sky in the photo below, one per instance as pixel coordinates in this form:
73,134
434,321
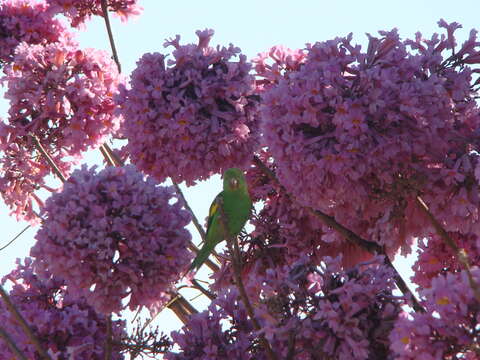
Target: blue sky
254,26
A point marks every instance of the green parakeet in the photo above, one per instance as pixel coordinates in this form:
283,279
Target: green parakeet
236,204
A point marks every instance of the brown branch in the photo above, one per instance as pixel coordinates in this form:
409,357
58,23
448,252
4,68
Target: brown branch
108,340
352,237
461,254
15,238
11,344
106,155
23,324
199,227
47,157
177,309
204,291
115,157
110,35
234,250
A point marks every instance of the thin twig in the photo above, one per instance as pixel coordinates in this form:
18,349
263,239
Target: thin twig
106,155
25,327
11,344
204,291
110,35
47,157
459,253
108,340
15,238
189,209
234,249
352,237
115,157
199,227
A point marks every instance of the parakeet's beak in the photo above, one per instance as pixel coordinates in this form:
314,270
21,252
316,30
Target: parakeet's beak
234,183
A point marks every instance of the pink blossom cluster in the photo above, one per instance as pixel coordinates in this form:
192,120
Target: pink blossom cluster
303,311
67,328
78,11
22,173
435,257
289,227
62,96
114,237
27,21
449,328
193,117
273,65
359,135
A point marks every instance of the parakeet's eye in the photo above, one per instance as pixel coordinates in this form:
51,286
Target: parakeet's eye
234,183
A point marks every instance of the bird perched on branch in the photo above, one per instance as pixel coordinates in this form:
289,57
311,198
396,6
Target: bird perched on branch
235,205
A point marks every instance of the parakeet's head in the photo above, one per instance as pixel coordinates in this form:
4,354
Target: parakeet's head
233,180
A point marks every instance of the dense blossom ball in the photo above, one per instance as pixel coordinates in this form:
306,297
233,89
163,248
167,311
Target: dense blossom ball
113,235
364,133
448,330
68,328
27,21
192,117
78,11
62,95
303,312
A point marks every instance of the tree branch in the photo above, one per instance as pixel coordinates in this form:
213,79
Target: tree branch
352,237
459,253
110,35
25,327
234,249
11,344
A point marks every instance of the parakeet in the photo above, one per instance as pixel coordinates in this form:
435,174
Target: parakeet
236,204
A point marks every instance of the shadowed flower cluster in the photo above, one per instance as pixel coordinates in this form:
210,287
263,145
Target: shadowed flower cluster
305,313
68,328
114,236
192,117
366,132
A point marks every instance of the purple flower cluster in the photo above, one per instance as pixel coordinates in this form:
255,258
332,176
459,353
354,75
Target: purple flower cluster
61,95
284,225
273,65
114,236
205,336
27,21
193,117
21,175
365,132
67,328
78,11
449,328
303,312
435,257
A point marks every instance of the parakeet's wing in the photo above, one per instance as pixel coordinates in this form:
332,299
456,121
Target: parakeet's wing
213,210
213,234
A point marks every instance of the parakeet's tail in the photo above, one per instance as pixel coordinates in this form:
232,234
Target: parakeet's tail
202,256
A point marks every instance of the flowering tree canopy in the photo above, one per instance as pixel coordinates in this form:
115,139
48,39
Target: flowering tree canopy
352,155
